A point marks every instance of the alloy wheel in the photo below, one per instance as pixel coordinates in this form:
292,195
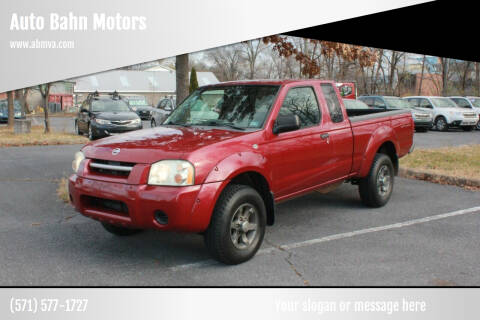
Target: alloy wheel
243,226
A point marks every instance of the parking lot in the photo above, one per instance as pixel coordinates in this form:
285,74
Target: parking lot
426,235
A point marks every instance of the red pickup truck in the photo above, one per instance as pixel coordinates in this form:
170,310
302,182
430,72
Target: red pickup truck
229,152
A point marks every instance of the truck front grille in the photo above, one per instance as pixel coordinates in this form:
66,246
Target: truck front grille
114,168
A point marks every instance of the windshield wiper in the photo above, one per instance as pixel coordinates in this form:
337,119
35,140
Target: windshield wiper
214,123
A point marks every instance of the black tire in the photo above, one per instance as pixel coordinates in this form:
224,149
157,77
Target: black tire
468,128
441,124
371,189
119,231
77,129
91,134
219,237
153,124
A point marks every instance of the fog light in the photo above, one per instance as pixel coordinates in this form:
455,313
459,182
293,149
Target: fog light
161,217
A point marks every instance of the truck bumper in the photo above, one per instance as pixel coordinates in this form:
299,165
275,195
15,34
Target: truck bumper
143,206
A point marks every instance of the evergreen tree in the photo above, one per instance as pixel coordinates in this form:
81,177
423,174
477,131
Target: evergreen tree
193,80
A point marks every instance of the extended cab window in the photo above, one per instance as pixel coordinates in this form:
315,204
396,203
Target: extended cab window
303,103
333,104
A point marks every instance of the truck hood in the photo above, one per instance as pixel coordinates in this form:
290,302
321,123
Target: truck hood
152,145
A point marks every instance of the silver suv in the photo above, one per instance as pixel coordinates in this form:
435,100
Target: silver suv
446,113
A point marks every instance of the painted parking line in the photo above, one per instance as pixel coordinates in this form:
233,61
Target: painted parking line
380,228
339,236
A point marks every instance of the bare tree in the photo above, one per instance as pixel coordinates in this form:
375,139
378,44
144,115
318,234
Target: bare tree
181,73
45,92
227,61
477,78
21,95
444,65
11,109
421,76
251,51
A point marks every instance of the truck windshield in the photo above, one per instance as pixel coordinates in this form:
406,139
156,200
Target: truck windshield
109,106
397,103
240,107
443,103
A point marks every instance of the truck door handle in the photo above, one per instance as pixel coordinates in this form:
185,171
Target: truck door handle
324,136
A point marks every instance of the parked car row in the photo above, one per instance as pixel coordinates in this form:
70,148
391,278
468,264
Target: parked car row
441,113
17,109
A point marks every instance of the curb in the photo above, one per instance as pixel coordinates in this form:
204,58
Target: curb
438,178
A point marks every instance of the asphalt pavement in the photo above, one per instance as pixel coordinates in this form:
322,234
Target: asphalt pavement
426,235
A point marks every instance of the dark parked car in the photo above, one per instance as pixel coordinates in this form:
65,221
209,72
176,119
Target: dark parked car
423,119
162,111
140,106
17,108
105,115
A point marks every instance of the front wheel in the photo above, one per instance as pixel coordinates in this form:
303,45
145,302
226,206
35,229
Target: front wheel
119,231
91,135
376,188
441,124
237,226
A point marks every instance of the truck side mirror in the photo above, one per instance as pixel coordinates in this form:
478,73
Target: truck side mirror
285,123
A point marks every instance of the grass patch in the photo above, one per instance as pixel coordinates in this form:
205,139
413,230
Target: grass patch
38,137
460,162
62,190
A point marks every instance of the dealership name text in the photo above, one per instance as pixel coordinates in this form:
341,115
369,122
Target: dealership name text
71,22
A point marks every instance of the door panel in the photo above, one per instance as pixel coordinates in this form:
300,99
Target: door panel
299,158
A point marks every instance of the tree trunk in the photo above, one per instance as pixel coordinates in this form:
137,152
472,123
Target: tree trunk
421,77
45,109
181,73
11,109
445,65
477,78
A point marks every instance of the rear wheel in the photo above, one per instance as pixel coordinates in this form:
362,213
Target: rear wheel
119,231
376,188
468,128
441,124
237,226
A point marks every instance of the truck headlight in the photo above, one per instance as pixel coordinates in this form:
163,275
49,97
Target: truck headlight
79,156
171,173
102,121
